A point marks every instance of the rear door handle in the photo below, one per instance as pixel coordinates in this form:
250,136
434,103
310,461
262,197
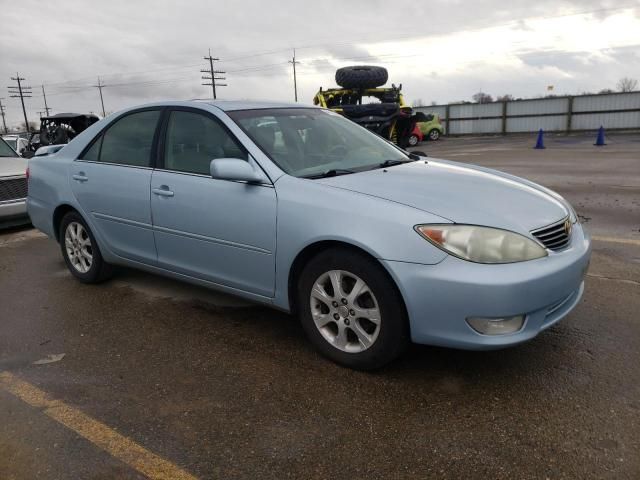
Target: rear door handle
80,177
163,191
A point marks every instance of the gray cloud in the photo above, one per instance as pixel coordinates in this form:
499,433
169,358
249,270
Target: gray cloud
66,45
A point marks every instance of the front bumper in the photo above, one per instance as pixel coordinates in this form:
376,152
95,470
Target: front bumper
440,297
13,212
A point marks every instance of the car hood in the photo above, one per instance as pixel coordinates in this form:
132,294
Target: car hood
12,166
460,193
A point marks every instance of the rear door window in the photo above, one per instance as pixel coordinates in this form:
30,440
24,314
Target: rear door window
128,141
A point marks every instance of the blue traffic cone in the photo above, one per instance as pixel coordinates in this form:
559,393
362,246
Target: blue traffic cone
540,140
600,137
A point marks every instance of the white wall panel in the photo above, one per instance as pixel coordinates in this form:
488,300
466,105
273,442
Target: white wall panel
534,107
606,102
533,124
590,121
459,127
475,110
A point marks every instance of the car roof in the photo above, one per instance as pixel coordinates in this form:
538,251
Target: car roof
231,105
224,105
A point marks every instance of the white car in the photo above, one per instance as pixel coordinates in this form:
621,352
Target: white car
13,187
18,143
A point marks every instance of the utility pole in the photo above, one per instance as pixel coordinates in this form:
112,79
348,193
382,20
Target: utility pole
100,86
295,81
21,92
46,107
4,123
212,74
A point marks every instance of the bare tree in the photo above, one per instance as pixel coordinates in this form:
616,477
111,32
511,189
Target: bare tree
482,97
33,126
417,103
605,90
504,98
627,84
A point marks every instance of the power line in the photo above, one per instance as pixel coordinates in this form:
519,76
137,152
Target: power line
251,70
100,86
376,39
4,123
46,107
213,73
295,80
18,91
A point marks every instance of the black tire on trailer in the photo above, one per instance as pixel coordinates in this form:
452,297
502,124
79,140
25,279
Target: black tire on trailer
361,76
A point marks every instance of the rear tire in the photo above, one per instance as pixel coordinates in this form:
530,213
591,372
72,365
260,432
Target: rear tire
80,250
361,76
413,140
361,323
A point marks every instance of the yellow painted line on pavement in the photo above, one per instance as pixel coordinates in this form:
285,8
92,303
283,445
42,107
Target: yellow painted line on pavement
627,241
104,437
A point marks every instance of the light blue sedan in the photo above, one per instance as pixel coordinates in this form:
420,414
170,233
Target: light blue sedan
299,208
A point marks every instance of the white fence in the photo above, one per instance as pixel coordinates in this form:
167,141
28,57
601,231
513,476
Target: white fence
613,111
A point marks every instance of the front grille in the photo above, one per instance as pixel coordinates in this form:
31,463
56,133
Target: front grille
555,236
13,189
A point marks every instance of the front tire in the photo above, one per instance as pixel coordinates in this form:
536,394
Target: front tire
80,250
351,310
434,134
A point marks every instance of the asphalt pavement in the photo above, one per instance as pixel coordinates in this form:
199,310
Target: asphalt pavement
165,380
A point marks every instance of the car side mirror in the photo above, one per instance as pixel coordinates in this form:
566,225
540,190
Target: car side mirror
235,169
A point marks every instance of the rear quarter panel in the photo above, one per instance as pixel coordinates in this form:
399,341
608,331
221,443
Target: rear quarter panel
48,188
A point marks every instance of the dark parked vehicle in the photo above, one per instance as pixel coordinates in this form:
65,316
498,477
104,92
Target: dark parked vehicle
63,127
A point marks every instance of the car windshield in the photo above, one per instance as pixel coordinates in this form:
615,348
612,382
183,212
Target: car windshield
307,142
5,149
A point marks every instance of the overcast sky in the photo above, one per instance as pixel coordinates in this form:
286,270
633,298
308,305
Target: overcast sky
440,50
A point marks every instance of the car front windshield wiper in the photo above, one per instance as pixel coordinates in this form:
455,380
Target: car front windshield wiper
391,163
334,172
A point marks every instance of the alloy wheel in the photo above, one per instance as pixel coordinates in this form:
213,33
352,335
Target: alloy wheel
78,247
345,311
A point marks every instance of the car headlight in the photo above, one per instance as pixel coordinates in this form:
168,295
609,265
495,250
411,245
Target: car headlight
482,244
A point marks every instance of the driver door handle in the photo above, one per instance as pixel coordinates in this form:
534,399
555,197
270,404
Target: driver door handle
80,177
163,191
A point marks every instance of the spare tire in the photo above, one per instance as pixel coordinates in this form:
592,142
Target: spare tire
361,76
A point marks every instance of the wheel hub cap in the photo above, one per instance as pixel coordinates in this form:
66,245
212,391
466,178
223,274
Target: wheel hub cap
78,247
345,311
